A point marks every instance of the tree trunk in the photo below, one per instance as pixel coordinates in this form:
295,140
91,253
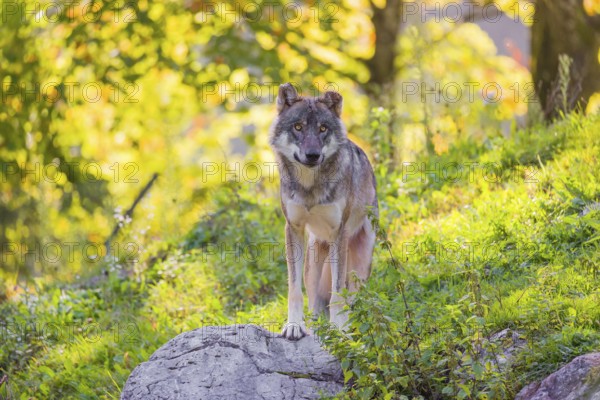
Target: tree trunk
386,22
380,88
563,27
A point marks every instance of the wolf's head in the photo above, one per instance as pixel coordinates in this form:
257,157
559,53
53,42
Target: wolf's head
307,130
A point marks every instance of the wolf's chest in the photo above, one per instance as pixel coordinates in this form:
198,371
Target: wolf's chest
322,220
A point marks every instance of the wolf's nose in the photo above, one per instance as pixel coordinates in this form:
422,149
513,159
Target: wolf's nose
313,157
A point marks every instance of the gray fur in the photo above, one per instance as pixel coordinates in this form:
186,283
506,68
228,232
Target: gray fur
327,183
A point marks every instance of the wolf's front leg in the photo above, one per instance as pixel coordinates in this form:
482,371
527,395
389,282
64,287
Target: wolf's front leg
294,246
338,252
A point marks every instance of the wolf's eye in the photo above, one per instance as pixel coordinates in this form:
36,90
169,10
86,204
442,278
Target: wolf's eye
323,128
298,127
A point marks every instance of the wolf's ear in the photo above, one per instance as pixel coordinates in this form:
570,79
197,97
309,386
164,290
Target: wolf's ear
334,101
286,97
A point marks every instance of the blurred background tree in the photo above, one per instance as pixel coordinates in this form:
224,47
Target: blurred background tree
571,28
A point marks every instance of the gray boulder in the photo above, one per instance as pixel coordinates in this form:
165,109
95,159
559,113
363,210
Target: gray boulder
507,343
235,362
578,380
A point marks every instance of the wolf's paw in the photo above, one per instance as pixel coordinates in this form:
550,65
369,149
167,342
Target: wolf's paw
294,331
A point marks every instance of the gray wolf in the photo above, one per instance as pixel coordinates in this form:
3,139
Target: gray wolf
327,186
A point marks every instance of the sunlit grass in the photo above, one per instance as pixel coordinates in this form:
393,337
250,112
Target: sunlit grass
525,261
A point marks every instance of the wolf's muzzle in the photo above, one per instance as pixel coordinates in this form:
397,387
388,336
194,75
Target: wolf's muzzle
310,159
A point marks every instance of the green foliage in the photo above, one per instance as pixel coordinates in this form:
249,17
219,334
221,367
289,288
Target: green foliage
120,87
564,80
73,343
243,242
522,254
83,342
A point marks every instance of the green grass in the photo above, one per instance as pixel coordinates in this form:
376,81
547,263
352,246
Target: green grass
472,257
475,256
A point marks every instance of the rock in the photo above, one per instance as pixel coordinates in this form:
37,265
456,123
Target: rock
508,343
235,362
578,380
